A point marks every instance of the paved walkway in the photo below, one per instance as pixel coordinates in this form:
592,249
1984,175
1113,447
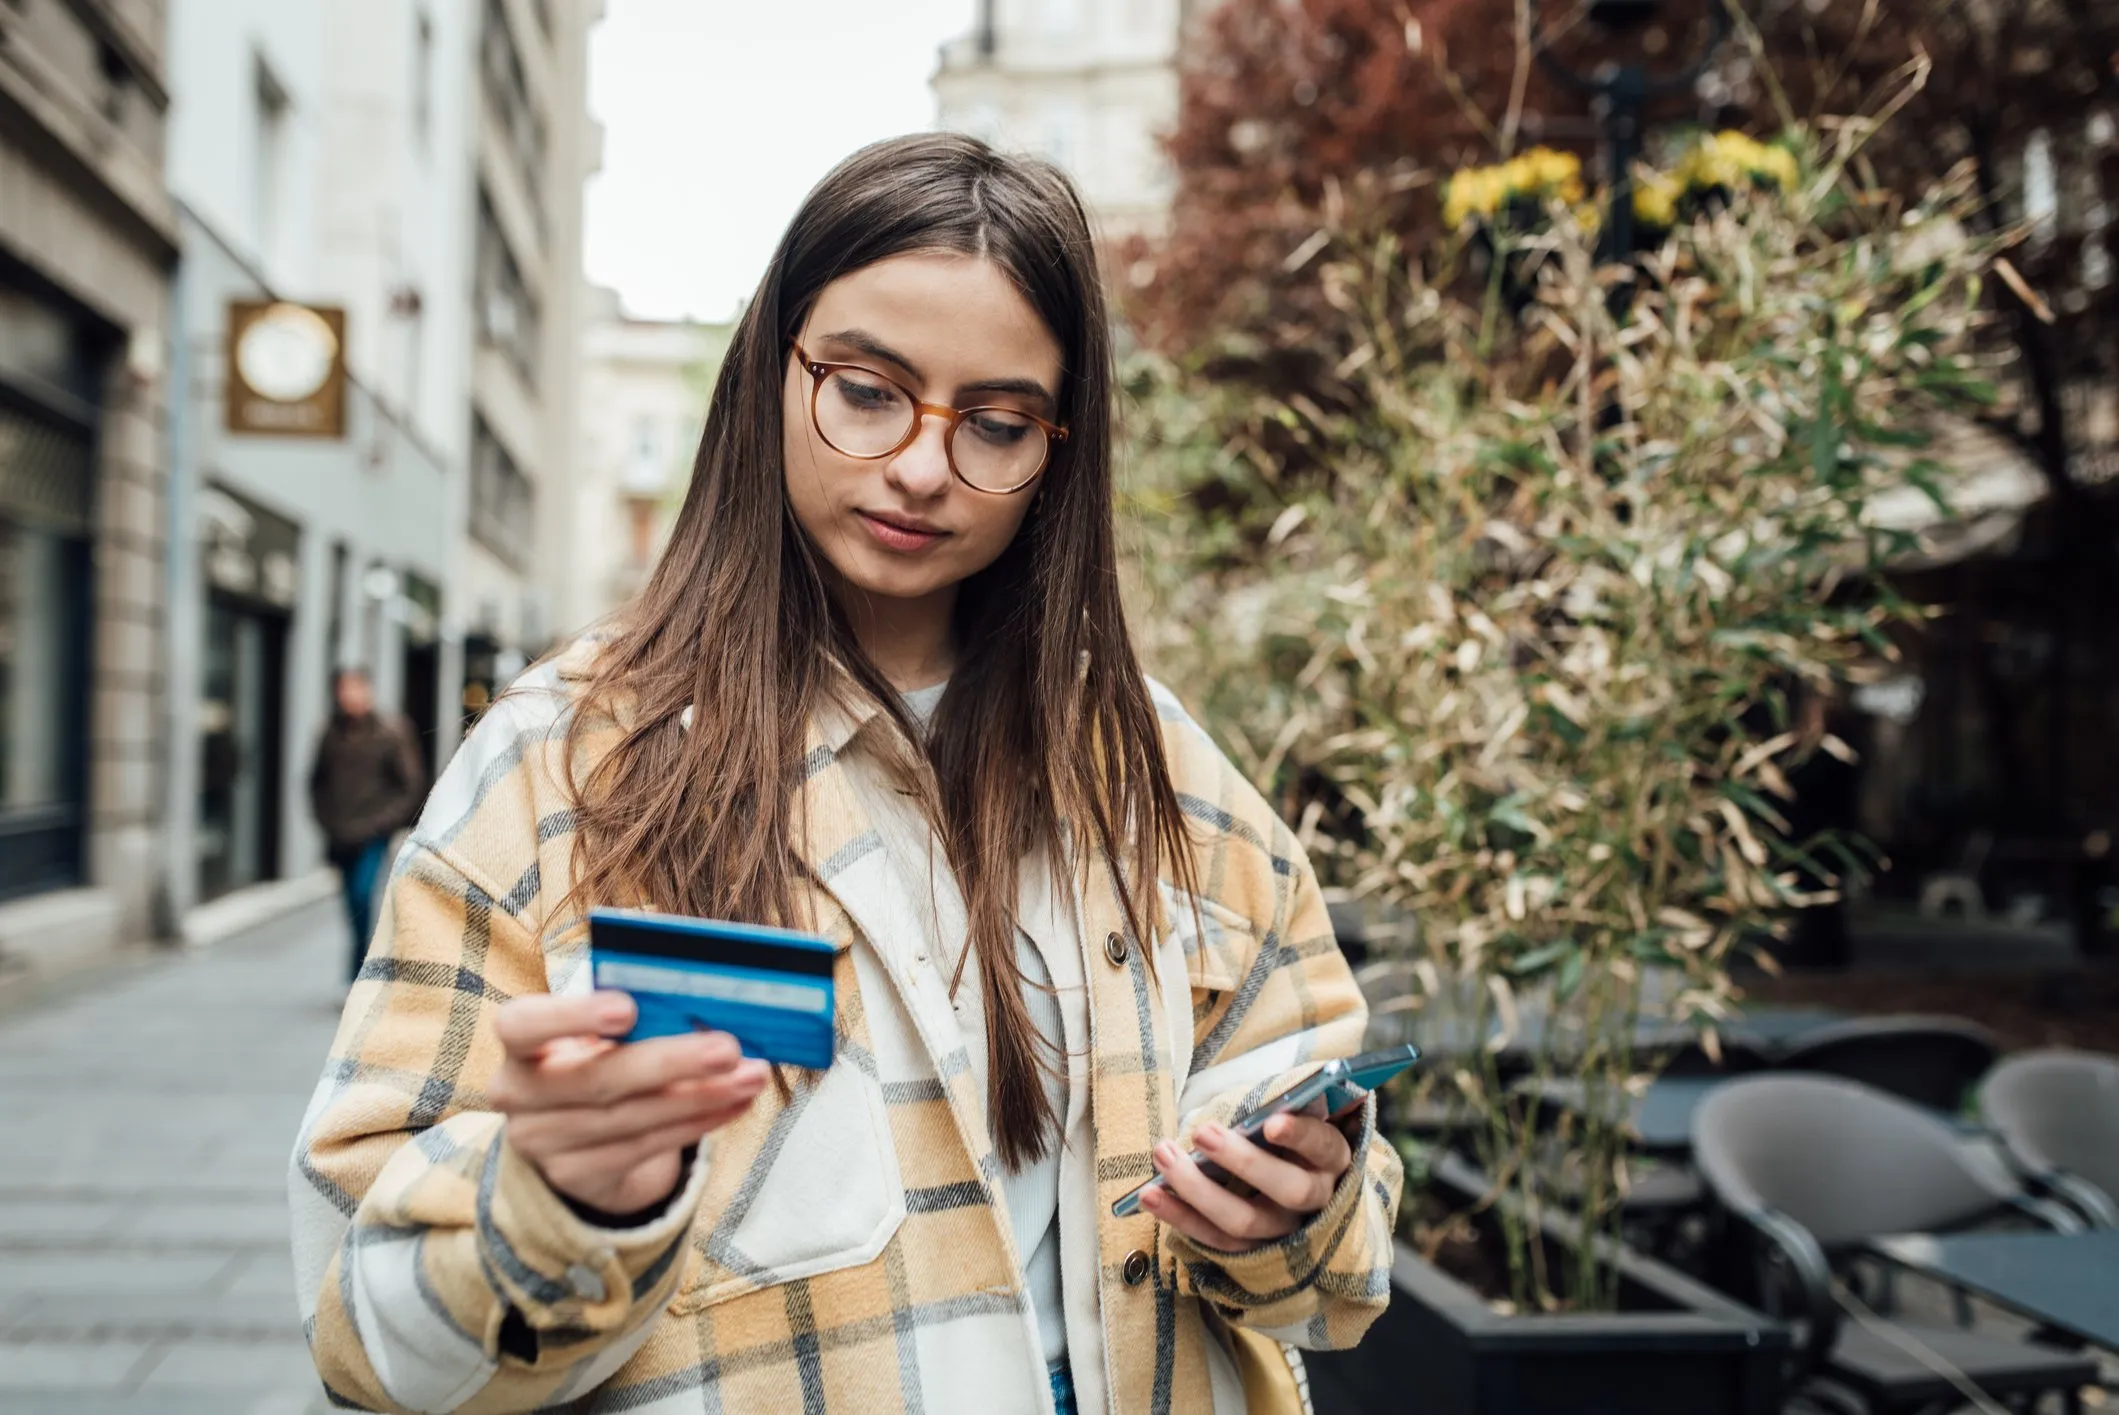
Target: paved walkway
146,1117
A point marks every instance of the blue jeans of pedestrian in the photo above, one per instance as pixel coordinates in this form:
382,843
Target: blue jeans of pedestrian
360,874
1062,1388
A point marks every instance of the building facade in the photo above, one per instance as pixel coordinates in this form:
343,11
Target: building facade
305,185
644,390
1090,84
535,148
386,195
88,240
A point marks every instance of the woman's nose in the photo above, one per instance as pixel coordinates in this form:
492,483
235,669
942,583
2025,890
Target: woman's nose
922,467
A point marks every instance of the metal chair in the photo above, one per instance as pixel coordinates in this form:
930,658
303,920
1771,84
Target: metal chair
1808,1168
1931,1061
2058,1114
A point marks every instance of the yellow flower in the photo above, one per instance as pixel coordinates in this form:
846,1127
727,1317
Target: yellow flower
1712,162
1779,164
1474,192
1539,174
1655,200
1732,159
1549,172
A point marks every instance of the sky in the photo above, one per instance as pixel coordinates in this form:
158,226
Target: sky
720,114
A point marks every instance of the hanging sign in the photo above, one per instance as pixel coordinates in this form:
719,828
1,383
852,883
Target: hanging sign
286,373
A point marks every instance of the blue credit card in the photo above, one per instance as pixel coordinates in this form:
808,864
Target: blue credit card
769,988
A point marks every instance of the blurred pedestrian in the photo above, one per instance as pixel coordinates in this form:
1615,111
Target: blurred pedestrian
879,687
366,785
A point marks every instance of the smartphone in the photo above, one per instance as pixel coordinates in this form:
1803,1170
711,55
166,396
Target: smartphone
1340,1085
769,988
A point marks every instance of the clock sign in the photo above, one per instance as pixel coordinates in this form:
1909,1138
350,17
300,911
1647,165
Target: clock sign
286,373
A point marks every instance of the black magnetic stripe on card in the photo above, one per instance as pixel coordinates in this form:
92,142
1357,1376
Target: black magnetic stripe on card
699,941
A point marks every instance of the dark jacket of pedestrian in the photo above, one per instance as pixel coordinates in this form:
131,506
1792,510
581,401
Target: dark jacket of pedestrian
368,781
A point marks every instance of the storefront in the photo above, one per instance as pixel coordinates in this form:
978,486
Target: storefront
47,478
44,618
251,555
420,603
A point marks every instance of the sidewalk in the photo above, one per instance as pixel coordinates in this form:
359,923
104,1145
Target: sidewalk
146,1115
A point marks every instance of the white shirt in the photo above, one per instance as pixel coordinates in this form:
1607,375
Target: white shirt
1048,952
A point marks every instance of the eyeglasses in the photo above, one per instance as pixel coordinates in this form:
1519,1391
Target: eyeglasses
860,413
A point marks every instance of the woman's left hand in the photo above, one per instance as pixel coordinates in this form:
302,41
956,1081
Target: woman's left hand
1291,1185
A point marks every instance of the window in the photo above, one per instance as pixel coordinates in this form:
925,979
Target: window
982,120
503,502
646,469
508,317
2041,188
46,472
509,93
1060,19
423,79
1061,138
268,158
42,346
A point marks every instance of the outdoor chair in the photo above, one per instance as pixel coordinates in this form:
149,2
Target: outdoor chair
1807,1170
2058,1114
1931,1061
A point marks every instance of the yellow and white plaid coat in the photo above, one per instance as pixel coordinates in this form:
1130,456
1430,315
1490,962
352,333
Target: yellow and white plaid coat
846,1249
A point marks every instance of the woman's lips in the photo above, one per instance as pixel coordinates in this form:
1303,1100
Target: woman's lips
894,536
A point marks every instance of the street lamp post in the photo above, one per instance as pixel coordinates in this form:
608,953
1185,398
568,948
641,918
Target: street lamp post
1621,93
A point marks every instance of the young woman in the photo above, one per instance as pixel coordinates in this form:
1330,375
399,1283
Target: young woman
880,687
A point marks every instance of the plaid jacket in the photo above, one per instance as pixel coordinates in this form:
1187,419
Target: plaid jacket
846,1249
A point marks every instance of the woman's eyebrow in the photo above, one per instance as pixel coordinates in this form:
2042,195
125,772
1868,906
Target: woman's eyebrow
1024,387
861,341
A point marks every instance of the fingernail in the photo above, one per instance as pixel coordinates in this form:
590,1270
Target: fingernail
617,1011
1165,1155
1210,1135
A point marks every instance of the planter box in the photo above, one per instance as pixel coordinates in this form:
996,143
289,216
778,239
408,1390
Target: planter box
1674,1348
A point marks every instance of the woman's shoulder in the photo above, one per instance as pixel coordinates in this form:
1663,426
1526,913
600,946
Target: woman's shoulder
1210,788
1195,759
509,772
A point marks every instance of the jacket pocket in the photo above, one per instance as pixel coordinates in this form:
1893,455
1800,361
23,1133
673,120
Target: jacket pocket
1218,943
811,1188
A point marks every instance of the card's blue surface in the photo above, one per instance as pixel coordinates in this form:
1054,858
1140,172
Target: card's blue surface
769,988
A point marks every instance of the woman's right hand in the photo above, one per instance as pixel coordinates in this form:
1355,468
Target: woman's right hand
605,1123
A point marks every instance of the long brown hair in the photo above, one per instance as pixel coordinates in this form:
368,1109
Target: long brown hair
1046,718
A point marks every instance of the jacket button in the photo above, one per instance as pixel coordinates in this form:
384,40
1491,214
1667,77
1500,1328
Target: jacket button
587,1284
1115,949
1136,1269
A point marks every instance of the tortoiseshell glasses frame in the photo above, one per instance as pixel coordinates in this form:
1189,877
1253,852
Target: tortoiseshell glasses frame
821,370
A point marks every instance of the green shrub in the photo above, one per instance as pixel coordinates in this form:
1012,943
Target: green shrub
1525,662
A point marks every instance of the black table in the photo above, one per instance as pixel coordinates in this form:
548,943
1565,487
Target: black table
1774,1029
1659,1121
2066,1281
1446,1031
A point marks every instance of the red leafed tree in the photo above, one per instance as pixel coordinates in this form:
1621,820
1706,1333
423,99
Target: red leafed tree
1292,110
2028,92
1296,114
